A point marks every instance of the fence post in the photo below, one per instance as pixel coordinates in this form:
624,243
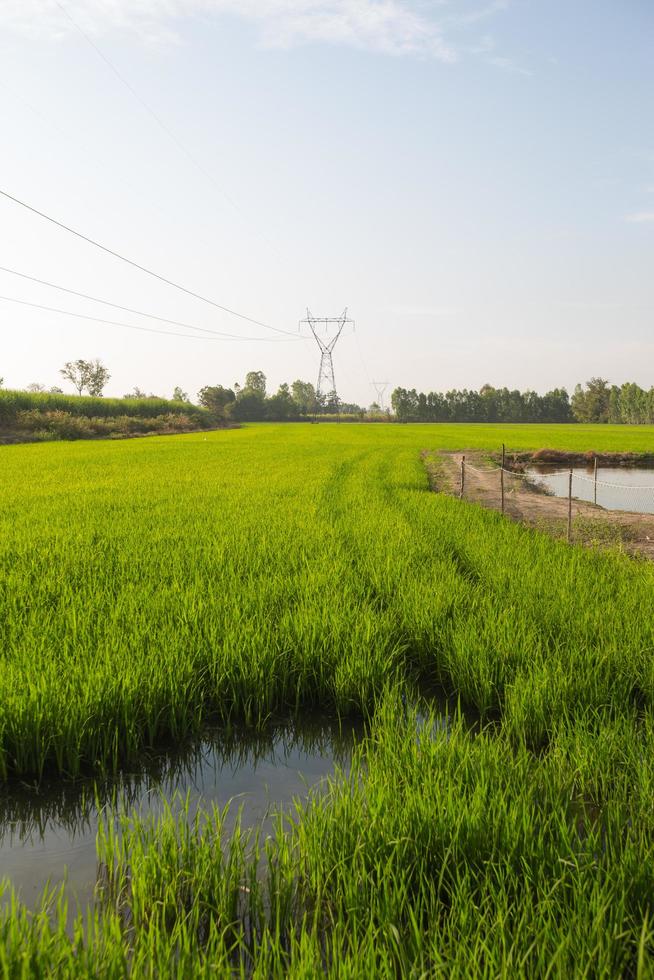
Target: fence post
570,507
595,483
502,487
463,476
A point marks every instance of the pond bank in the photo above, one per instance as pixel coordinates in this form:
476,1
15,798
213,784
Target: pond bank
533,505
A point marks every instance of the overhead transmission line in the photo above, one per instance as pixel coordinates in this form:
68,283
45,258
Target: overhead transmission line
116,323
151,316
142,268
158,120
69,137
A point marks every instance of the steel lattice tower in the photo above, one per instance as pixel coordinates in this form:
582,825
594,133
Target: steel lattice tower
380,387
326,386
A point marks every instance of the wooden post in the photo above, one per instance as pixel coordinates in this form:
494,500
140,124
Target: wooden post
463,476
502,476
595,483
570,507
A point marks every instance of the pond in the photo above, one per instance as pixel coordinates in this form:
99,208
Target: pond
47,834
618,488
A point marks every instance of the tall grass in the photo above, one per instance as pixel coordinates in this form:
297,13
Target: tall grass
441,854
13,402
148,588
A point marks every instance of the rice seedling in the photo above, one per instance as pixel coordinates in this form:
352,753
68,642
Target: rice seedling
151,588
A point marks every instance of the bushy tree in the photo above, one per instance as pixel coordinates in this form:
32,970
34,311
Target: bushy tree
179,395
304,396
405,403
218,400
281,407
255,383
591,402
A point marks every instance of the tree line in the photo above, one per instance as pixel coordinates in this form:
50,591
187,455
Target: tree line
599,401
248,402
252,403
596,401
486,405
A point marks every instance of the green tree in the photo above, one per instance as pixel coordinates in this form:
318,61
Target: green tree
556,406
591,403
405,403
90,376
332,403
304,396
179,395
218,400
255,382
633,404
250,406
281,406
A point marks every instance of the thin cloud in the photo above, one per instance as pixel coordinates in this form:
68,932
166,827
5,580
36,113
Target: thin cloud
426,311
390,27
640,217
507,64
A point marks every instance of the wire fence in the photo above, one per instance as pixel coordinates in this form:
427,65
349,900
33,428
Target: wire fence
573,485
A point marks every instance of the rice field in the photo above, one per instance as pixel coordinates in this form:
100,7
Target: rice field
150,588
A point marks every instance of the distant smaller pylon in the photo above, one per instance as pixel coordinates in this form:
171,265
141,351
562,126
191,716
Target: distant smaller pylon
380,387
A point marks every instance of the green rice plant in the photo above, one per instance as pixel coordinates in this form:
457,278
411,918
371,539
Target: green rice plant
150,588
441,853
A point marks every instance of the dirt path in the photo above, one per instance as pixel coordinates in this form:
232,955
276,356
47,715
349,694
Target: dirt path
525,502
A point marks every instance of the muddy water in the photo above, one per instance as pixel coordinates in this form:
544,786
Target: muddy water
618,488
47,835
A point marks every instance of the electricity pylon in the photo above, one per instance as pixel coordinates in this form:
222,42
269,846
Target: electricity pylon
380,387
326,384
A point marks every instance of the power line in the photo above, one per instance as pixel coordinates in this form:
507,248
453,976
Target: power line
142,268
69,136
159,121
129,309
362,359
114,323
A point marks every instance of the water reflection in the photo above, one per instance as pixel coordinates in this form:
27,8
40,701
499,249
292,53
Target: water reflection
618,488
47,833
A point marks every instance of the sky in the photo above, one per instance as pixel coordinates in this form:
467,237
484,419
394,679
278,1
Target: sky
472,179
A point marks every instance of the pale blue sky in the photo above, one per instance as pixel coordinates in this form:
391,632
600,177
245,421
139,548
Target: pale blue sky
474,180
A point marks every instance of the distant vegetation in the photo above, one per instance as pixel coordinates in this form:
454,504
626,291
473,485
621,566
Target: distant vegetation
294,402
89,376
42,414
486,405
39,416
596,401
